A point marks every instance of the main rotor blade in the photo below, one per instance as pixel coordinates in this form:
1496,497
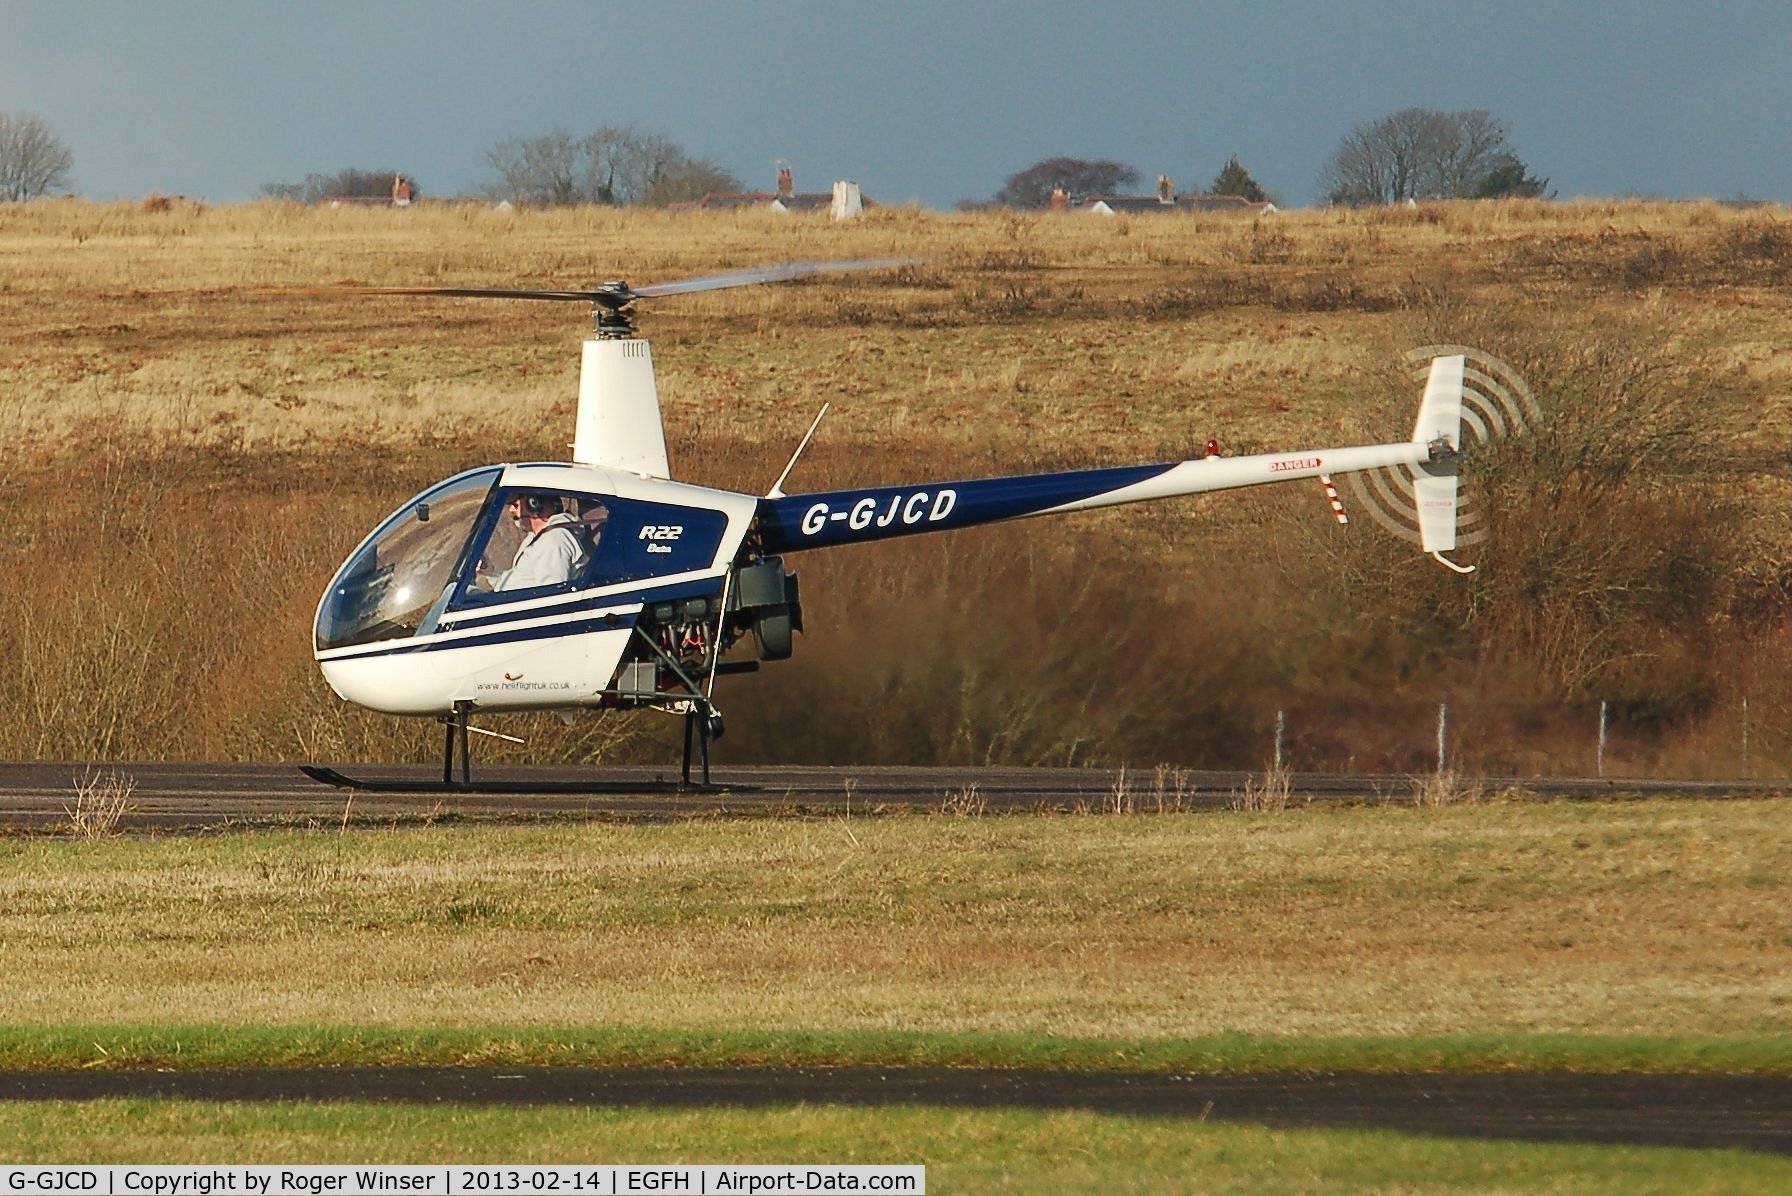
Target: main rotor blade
614,295
476,293
467,292
780,273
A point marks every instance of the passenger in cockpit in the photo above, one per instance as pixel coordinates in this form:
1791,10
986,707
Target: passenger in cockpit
553,548
593,514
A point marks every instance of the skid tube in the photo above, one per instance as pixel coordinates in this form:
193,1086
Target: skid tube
336,778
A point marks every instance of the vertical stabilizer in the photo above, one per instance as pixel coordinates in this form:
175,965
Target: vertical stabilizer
1436,498
1436,483
619,409
1440,415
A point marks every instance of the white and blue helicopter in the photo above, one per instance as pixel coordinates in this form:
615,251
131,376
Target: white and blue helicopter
603,584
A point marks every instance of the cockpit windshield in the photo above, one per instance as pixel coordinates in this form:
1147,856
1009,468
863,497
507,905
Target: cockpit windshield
399,580
471,545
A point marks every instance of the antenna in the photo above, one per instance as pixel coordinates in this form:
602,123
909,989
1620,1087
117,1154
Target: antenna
777,490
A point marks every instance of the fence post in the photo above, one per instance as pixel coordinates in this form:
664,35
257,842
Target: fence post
1443,734
1281,725
1602,722
1745,769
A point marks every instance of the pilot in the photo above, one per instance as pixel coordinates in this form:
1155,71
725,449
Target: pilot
553,548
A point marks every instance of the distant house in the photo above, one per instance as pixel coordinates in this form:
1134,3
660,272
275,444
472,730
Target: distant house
362,201
1128,205
399,195
843,203
1166,200
1226,203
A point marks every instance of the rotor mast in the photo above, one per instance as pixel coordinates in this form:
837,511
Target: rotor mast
619,423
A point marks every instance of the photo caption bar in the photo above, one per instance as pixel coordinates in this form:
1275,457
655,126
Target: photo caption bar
459,1180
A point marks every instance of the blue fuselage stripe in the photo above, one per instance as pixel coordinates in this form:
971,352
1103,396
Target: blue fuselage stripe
574,617
878,513
469,617
498,635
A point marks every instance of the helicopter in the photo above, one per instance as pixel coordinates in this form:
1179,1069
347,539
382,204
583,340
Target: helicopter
604,584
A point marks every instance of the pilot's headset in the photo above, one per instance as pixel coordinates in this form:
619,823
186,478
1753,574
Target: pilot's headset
537,504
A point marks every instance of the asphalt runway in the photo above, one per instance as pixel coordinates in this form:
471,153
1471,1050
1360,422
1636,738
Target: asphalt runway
1699,1111
175,797
1746,1112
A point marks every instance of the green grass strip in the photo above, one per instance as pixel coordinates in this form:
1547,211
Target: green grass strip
193,1047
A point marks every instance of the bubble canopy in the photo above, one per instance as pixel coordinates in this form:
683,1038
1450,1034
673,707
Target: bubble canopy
403,574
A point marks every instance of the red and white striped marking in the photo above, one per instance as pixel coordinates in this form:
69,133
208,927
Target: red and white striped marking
1331,492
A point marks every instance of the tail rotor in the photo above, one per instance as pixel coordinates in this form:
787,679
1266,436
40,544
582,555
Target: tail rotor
1471,398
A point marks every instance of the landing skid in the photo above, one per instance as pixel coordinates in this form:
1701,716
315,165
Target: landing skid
341,780
702,726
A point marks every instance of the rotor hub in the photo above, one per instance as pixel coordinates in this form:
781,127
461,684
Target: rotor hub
609,307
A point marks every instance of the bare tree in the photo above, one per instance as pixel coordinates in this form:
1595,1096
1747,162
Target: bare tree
545,170
1464,148
1379,161
615,164
1420,153
33,160
1078,177
690,178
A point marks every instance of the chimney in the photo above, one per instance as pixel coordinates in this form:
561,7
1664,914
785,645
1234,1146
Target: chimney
1166,191
848,200
786,186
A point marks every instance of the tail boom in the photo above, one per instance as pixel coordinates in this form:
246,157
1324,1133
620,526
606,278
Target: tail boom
788,524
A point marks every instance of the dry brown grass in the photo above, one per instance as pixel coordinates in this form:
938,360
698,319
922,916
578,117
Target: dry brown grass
965,802
1446,788
1070,328
147,376
1640,918
1266,795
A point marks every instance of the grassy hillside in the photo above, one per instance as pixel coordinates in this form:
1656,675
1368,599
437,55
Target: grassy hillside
191,454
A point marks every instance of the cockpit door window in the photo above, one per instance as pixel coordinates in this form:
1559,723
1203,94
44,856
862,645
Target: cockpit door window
531,542
397,582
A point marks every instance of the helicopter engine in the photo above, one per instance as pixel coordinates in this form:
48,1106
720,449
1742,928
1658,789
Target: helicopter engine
766,593
676,642
676,639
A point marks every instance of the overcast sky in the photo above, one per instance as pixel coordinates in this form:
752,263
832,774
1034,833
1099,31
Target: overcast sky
919,100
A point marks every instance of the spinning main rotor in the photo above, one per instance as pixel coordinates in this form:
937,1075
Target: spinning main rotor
611,300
